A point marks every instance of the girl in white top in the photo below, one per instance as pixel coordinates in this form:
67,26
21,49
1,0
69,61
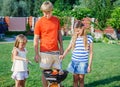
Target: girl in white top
19,67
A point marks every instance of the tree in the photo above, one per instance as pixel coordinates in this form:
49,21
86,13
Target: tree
64,5
80,13
1,5
14,8
30,7
114,20
36,11
22,9
101,11
5,7
115,3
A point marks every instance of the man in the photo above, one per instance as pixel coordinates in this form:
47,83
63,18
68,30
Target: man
47,30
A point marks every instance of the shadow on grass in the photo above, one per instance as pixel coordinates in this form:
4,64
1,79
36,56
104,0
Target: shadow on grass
13,85
99,82
104,82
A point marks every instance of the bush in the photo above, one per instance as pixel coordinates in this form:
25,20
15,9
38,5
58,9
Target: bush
80,13
114,21
97,40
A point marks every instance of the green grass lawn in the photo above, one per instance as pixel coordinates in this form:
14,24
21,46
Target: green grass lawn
105,69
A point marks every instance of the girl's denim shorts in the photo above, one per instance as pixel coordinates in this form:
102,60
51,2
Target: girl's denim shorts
77,67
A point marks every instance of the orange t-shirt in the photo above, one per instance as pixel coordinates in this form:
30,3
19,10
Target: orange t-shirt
48,29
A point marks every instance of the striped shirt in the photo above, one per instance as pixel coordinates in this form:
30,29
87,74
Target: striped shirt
79,53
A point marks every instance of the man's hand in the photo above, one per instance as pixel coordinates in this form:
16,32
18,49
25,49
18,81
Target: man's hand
61,57
37,58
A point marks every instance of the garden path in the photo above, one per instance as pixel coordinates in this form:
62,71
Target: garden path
9,40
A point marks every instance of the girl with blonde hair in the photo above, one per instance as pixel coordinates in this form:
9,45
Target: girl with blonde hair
81,45
19,66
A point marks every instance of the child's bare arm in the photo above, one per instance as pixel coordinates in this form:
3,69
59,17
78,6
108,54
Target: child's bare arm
90,57
66,51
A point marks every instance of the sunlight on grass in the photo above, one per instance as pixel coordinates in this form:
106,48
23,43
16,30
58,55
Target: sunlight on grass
105,69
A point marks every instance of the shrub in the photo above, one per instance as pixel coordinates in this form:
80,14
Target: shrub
114,21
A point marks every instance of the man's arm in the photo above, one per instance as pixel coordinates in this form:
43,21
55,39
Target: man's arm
36,47
60,42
